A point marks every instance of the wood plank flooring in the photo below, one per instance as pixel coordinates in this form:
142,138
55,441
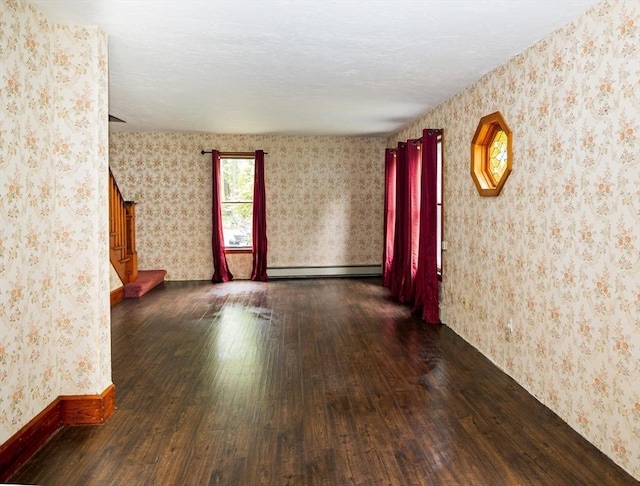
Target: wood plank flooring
308,382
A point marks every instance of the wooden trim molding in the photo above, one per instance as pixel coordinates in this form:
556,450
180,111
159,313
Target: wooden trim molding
238,250
237,155
489,126
26,442
88,409
116,296
65,410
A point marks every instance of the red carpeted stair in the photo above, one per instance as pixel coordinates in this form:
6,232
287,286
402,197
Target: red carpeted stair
147,279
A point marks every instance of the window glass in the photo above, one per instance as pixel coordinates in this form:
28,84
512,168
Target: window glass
498,156
237,201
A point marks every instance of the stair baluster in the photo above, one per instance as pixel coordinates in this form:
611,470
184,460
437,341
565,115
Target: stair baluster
122,240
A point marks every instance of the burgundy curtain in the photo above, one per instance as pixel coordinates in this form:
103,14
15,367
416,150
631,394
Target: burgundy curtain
221,271
411,255
407,227
426,292
410,234
389,214
400,227
259,232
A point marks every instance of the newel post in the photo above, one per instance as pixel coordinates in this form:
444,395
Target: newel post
131,267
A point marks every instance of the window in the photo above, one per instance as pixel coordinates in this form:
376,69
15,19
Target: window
498,156
439,208
237,171
491,154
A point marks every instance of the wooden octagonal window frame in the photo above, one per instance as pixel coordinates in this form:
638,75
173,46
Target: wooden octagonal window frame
487,182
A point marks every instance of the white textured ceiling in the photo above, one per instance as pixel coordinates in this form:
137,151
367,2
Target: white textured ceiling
301,67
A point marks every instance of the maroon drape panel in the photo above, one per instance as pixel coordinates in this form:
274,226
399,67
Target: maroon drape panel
389,215
407,227
221,271
426,293
400,229
411,256
259,231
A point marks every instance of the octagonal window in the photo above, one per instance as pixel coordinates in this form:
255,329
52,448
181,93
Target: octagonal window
491,155
498,156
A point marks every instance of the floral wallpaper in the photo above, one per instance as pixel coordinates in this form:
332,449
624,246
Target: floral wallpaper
325,197
240,265
114,279
54,273
557,254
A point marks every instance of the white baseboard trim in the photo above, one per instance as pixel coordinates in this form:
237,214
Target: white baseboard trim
325,271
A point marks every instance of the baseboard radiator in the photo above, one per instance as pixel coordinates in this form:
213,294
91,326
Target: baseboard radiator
325,271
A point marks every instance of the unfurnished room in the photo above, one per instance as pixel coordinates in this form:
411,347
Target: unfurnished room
339,242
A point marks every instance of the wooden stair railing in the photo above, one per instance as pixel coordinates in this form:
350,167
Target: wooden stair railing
122,234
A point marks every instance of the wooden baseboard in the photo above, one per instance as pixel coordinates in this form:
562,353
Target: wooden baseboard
87,409
65,410
26,442
116,296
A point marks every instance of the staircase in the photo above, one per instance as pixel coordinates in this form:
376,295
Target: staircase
122,234
122,248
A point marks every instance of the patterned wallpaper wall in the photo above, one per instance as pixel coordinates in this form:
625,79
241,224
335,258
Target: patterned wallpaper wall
324,198
114,279
558,252
54,272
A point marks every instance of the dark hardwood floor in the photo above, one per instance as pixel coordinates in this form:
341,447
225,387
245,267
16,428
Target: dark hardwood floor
308,382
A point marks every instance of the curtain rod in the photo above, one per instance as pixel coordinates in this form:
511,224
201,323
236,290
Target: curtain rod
202,152
415,141
430,131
